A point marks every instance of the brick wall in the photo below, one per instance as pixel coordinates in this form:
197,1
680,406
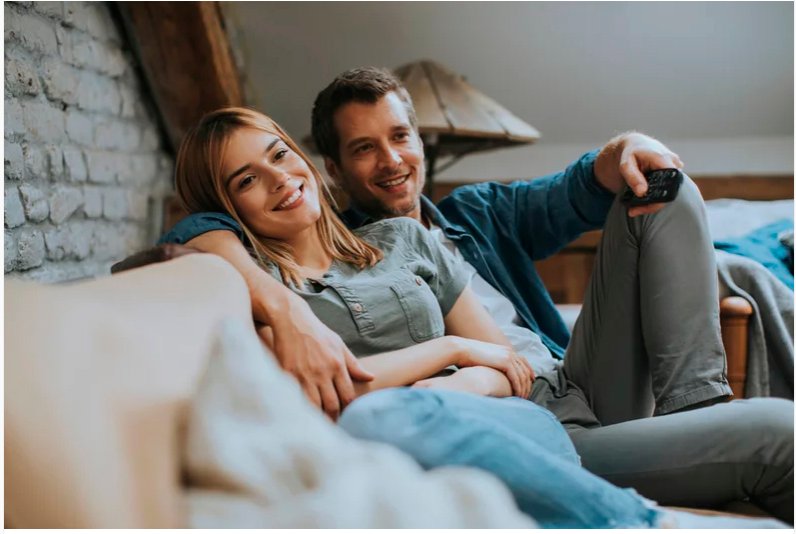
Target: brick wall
85,165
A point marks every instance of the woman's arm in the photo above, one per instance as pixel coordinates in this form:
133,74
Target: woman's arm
469,319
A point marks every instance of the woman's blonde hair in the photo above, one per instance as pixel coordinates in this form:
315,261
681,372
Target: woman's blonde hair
199,183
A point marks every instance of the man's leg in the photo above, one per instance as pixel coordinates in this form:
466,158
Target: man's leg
648,336
514,439
701,458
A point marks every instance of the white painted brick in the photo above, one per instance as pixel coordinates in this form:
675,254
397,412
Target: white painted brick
106,244
35,203
75,165
98,93
10,252
114,204
64,201
130,96
80,127
104,58
13,211
43,121
64,38
105,167
57,243
138,205
117,135
81,241
21,79
50,9
92,17
55,157
14,161
92,202
30,247
35,158
150,138
60,81
142,169
14,121
32,31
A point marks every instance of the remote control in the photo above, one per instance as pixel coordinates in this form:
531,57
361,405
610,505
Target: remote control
662,186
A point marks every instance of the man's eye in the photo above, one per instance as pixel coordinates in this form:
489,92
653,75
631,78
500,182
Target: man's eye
402,136
361,148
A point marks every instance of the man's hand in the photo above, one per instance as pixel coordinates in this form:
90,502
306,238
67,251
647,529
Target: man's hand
157,254
316,356
625,160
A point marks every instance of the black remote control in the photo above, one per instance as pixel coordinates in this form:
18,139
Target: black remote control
662,186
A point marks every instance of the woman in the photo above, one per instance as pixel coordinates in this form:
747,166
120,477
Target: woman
401,303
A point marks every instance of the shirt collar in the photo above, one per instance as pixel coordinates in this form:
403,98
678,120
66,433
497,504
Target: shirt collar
354,218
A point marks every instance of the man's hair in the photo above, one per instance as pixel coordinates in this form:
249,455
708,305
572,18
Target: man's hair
364,84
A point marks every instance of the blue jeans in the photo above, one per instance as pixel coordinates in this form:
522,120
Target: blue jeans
521,443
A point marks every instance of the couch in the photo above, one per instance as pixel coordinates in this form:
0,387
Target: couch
120,396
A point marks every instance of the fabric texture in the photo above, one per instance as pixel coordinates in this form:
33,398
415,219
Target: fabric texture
258,455
769,368
765,247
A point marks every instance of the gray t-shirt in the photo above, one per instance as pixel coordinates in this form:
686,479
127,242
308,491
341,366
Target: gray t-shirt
398,302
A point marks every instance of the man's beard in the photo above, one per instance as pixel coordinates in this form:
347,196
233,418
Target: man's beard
378,209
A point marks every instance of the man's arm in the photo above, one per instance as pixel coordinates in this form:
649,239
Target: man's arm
304,346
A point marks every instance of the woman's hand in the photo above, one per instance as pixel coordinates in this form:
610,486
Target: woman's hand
478,380
471,353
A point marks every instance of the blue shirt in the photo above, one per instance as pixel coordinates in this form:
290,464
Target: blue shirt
501,229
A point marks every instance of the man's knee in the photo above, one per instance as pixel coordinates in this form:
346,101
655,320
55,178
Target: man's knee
391,414
771,421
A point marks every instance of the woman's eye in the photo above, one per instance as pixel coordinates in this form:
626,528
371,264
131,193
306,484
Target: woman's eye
280,154
403,136
245,181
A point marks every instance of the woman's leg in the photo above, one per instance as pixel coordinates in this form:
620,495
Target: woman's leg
514,439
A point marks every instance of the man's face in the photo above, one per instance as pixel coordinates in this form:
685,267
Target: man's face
381,158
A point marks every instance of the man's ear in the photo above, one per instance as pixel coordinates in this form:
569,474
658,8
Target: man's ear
331,170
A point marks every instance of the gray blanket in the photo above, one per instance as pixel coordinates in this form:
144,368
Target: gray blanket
770,363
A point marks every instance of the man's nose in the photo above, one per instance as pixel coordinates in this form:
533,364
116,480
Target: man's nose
389,158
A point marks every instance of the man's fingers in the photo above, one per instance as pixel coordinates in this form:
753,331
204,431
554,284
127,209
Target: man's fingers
311,391
331,404
344,387
356,371
633,176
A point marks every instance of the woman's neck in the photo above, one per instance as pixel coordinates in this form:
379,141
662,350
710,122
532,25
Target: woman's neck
309,253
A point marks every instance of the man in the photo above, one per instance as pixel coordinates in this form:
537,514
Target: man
647,341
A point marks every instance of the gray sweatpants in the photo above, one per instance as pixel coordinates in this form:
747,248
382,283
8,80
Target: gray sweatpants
648,343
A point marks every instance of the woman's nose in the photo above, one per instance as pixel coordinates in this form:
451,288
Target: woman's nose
278,181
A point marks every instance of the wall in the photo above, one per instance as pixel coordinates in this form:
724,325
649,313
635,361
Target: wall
85,167
712,79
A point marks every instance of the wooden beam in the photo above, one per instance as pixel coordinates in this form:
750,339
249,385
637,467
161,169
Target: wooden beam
185,57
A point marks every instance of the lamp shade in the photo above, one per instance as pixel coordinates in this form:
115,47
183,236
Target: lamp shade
459,118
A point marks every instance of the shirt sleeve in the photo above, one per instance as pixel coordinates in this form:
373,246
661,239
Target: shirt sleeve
446,275
197,224
544,213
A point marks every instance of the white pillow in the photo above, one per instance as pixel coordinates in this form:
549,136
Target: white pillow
258,454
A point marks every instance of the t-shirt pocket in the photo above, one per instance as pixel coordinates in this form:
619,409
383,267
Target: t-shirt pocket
420,306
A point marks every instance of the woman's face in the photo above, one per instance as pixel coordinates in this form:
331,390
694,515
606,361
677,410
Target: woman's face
272,188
